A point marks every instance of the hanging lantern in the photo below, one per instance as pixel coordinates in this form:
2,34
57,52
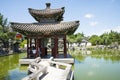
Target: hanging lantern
18,36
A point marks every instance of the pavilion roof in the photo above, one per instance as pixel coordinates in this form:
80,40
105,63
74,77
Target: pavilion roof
46,28
47,14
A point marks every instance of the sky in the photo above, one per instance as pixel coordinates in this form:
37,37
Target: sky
95,16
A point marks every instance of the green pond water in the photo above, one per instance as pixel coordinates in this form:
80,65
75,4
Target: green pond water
95,65
10,68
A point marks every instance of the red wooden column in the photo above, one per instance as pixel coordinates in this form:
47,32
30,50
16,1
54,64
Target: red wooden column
42,47
53,52
43,51
37,46
30,46
65,49
28,49
53,45
56,47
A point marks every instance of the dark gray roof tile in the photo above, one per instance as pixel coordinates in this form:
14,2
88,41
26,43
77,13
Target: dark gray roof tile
45,28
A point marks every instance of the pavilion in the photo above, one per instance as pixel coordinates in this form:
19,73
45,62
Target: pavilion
49,28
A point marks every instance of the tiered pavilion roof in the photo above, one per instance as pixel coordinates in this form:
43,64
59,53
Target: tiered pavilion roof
49,24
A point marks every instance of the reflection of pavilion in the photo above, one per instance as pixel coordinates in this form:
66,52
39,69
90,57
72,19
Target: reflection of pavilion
49,26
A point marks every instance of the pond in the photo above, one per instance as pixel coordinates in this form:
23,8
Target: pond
97,65
89,65
10,69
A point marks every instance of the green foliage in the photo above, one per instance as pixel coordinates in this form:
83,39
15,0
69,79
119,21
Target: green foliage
5,34
79,37
75,38
94,39
1,29
3,23
106,38
114,36
107,54
11,35
23,43
71,38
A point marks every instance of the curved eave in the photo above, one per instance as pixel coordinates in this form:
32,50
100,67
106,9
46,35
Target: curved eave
47,14
46,28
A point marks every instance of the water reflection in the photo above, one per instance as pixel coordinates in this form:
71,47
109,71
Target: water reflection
8,66
113,55
96,65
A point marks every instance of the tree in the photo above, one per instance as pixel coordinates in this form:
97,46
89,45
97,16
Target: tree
71,38
5,34
79,37
105,39
75,38
3,31
114,37
95,40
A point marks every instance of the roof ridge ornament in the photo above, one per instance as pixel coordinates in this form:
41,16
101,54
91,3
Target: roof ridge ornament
77,21
63,8
48,5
